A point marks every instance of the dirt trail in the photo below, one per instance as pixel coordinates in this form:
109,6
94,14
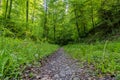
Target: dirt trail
60,66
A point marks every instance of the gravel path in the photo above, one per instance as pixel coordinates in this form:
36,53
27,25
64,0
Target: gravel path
60,66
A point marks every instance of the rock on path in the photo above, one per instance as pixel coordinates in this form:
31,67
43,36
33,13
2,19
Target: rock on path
60,67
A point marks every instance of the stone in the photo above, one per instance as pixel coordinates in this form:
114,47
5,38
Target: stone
62,73
56,76
68,72
76,78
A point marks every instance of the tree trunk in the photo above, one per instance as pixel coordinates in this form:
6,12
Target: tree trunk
76,23
45,33
33,13
54,22
27,12
92,14
6,10
45,27
54,28
0,4
10,10
54,32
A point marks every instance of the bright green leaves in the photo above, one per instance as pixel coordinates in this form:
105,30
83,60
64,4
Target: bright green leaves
15,54
93,54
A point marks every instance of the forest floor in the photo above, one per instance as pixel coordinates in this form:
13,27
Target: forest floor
60,66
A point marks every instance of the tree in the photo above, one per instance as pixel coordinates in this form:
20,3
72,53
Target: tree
33,11
6,10
45,28
27,12
9,13
0,4
76,18
92,14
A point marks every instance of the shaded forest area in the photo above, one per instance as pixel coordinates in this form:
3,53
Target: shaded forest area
59,21
30,30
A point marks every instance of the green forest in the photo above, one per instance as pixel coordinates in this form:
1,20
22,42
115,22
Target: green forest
31,30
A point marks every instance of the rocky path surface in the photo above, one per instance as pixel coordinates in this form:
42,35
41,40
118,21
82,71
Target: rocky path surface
61,67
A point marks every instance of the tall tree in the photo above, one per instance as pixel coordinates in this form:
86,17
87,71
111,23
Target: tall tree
76,20
0,3
92,14
27,11
45,28
33,11
6,9
0,7
10,8
54,18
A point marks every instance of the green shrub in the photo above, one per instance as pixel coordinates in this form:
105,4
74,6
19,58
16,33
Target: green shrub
15,53
105,57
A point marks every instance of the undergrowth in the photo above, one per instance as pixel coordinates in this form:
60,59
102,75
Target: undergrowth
104,56
15,53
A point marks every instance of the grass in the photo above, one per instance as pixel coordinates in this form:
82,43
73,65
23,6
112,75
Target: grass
15,53
104,56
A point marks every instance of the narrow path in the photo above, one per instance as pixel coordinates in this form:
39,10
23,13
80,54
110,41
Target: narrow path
60,67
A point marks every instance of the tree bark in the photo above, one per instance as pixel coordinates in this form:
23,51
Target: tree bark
27,12
92,14
76,23
54,28
10,10
6,10
54,32
0,4
33,13
54,22
45,33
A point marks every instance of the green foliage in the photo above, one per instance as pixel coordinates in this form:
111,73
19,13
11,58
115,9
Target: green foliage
105,57
15,54
61,22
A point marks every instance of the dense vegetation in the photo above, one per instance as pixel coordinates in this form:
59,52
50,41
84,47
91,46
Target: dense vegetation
104,57
16,54
48,20
27,27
